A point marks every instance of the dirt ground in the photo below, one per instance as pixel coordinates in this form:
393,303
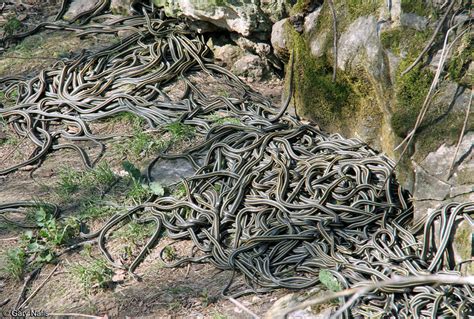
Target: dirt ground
157,291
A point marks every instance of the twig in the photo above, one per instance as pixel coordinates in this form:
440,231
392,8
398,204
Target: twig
30,277
400,281
430,42
241,306
11,238
59,314
39,287
468,110
334,24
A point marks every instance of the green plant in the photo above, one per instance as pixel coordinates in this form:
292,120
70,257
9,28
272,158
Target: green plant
219,119
50,235
12,25
94,274
207,299
139,189
101,176
15,263
140,144
135,231
91,181
69,181
179,191
93,209
180,131
169,253
328,280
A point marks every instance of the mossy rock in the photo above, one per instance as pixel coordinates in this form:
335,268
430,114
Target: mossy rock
464,245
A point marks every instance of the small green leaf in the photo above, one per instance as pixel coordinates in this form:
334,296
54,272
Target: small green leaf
329,280
155,188
34,247
132,170
40,215
28,234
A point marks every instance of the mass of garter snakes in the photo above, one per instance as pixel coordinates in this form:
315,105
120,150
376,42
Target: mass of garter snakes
271,199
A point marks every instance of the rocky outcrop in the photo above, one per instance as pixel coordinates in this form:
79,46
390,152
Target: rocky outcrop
279,38
77,7
243,17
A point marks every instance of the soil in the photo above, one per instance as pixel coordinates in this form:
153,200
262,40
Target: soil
157,291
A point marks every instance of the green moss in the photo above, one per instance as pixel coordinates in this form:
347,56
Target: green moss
418,7
411,90
359,8
463,243
445,130
465,176
460,61
300,6
404,41
317,96
12,25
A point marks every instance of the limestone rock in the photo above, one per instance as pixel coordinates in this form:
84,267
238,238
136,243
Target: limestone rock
243,17
171,171
252,45
227,54
279,40
428,187
360,45
438,162
274,9
291,300
413,21
77,7
250,66
311,20
122,7
317,44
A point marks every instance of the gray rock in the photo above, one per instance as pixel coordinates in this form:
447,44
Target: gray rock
78,6
428,187
395,8
292,300
437,163
393,63
256,47
279,39
461,190
227,54
311,20
317,44
424,208
250,66
463,243
274,9
360,45
121,7
413,21
171,171
244,17
464,173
